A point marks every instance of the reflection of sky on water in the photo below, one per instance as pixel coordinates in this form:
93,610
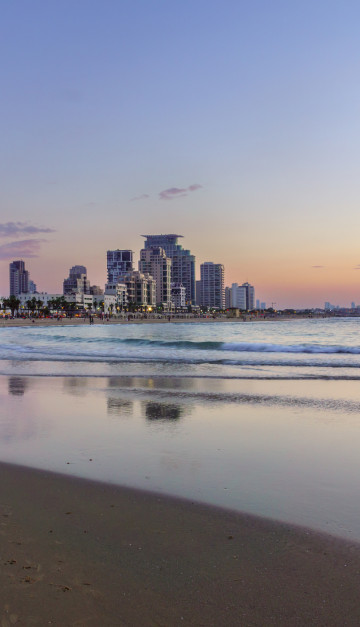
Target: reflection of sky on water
197,438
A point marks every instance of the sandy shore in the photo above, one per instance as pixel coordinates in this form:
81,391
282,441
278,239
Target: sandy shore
21,322
80,553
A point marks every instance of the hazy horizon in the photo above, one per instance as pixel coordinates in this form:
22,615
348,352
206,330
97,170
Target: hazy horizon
234,124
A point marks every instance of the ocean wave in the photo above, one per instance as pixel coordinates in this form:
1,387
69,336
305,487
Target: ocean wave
291,348
241,347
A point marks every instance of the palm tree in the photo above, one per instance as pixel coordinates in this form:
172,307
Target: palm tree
39,304
33,305
28,304
11,303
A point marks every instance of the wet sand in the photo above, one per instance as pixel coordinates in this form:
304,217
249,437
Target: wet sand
79,553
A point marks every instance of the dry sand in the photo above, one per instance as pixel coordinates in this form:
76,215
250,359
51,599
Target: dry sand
79,553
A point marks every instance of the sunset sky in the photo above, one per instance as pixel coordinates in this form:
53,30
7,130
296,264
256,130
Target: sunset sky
233,123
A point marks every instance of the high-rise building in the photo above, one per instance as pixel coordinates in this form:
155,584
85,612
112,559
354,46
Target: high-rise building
242,296
250,296
77,281
19,278
158,265
212,290
227,297
183,262
119,262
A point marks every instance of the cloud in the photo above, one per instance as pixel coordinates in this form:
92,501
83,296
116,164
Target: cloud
178,192
318,266
25,248
14,229
142,197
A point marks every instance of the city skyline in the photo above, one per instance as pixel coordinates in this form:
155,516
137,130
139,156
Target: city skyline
235,124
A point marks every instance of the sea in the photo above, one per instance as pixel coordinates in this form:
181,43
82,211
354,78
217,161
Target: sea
260,417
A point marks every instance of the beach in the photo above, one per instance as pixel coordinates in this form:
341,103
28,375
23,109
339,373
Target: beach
78,553
180,474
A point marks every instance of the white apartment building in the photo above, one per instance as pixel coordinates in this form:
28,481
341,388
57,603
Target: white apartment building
155,262
118,290
141,288
242,296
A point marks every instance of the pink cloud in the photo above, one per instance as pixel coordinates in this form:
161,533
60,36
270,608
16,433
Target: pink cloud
178,192
13,229
22,248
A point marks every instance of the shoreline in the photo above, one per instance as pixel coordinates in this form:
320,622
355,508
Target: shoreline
81,553
28,322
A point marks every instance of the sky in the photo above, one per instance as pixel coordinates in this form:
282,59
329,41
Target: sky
233,123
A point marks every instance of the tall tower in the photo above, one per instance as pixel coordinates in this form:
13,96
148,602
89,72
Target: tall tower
212,290
19,278
183,262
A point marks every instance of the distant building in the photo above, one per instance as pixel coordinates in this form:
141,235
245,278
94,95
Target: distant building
242,296
96,290
178,295
32,287
141,288
43,297
198,291
155,262
212,290
119,262
77,281
183,262
119,290
250,296
19,278
227,297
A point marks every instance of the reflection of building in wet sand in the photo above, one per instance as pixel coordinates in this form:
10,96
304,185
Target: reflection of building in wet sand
17,386
155,410
119,406
76,386
152,383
